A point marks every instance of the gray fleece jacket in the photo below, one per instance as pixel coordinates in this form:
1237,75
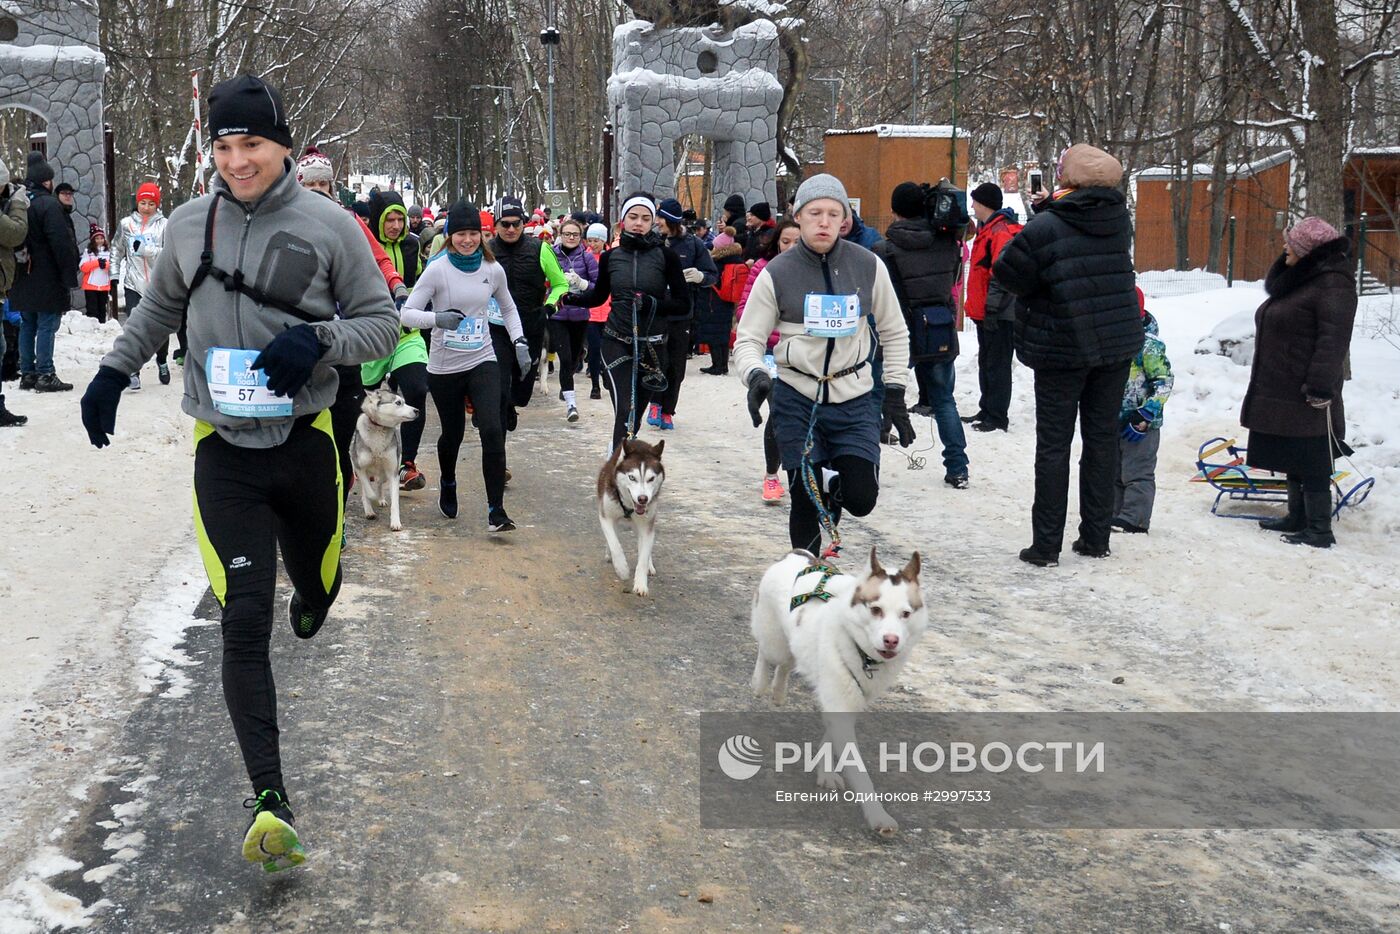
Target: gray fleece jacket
295,246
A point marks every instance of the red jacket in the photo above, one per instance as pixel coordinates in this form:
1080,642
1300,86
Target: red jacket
991,237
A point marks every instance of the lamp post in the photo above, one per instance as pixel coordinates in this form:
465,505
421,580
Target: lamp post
957,36
510,175
458,121
914,99
549,38
835,87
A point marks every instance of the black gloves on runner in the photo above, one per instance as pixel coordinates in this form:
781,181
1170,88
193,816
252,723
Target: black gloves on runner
760,388
898,415
289,359
99,404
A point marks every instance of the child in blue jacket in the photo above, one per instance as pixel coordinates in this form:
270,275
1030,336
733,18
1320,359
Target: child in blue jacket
1149,384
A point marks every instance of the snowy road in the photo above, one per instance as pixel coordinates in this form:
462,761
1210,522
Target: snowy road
491,736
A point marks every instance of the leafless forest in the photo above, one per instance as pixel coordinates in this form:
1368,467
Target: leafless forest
1192,83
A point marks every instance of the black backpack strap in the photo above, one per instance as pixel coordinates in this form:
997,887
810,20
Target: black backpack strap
234,281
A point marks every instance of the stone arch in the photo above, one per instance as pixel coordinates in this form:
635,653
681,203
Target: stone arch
660,91
45,71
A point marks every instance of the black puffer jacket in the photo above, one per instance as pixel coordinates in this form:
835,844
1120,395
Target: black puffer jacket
1073,268
1301,336
45,281
923,268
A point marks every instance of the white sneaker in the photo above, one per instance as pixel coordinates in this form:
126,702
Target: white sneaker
572,413
135,383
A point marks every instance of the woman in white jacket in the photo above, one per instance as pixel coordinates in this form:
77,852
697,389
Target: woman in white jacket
138,241
462,365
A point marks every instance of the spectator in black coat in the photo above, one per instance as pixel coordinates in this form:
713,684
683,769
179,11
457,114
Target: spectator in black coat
1293,407
44,280
1078,327
924,266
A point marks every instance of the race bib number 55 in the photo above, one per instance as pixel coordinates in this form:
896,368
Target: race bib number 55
831,315
237,389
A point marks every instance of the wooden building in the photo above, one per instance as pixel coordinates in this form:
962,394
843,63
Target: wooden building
1257,195
1372,181
872,160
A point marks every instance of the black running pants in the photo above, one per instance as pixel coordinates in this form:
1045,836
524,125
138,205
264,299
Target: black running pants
617,366
345,415
450,391
854,490
248,503
567,340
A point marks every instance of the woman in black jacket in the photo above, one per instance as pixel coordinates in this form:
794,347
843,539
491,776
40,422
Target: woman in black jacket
644,280
1078,327
1301,336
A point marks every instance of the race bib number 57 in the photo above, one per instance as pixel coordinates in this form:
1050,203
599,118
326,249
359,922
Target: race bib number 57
237,389
831,315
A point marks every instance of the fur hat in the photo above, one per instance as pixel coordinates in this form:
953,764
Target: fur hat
988,195
37,170
818,187
1085,166
315,166
1309,234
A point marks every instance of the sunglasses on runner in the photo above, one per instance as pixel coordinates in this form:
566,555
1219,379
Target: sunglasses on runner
511,224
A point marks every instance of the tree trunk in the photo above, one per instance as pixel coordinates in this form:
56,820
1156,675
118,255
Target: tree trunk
1324,154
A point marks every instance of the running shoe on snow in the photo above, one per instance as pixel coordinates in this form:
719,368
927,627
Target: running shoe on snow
498,521
306,622
654,415
410,477
772,489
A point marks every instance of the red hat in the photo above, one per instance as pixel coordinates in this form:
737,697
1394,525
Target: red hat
1142,302
149,190
488,223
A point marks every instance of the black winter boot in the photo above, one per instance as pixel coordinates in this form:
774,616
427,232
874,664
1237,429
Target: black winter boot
1317,531
1294,521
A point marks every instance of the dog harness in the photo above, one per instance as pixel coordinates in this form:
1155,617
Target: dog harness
814,586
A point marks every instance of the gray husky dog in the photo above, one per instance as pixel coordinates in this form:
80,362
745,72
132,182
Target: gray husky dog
376,451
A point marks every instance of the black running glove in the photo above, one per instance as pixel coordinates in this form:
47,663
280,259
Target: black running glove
898,415
760,388
99,404
289,359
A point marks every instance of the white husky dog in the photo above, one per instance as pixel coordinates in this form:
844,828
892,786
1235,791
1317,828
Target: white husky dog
628,487
848,636
376,451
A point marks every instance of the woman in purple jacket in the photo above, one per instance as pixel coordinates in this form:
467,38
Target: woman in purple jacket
568,328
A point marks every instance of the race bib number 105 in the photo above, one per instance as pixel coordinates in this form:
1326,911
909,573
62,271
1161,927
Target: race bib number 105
831,315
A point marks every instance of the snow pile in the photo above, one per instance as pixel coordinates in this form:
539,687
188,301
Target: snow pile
1233,338
101,576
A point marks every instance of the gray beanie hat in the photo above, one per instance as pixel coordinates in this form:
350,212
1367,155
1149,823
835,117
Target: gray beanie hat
821,186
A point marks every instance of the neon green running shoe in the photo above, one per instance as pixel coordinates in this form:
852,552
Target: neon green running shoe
271,839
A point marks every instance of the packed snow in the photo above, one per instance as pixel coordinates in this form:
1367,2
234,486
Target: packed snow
102,572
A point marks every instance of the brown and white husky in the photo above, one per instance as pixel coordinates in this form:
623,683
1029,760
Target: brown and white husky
628,488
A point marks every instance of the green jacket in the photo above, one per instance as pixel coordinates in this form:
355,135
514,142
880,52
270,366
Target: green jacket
14,228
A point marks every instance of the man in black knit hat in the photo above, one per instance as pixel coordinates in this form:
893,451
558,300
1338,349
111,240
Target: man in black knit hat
280,287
